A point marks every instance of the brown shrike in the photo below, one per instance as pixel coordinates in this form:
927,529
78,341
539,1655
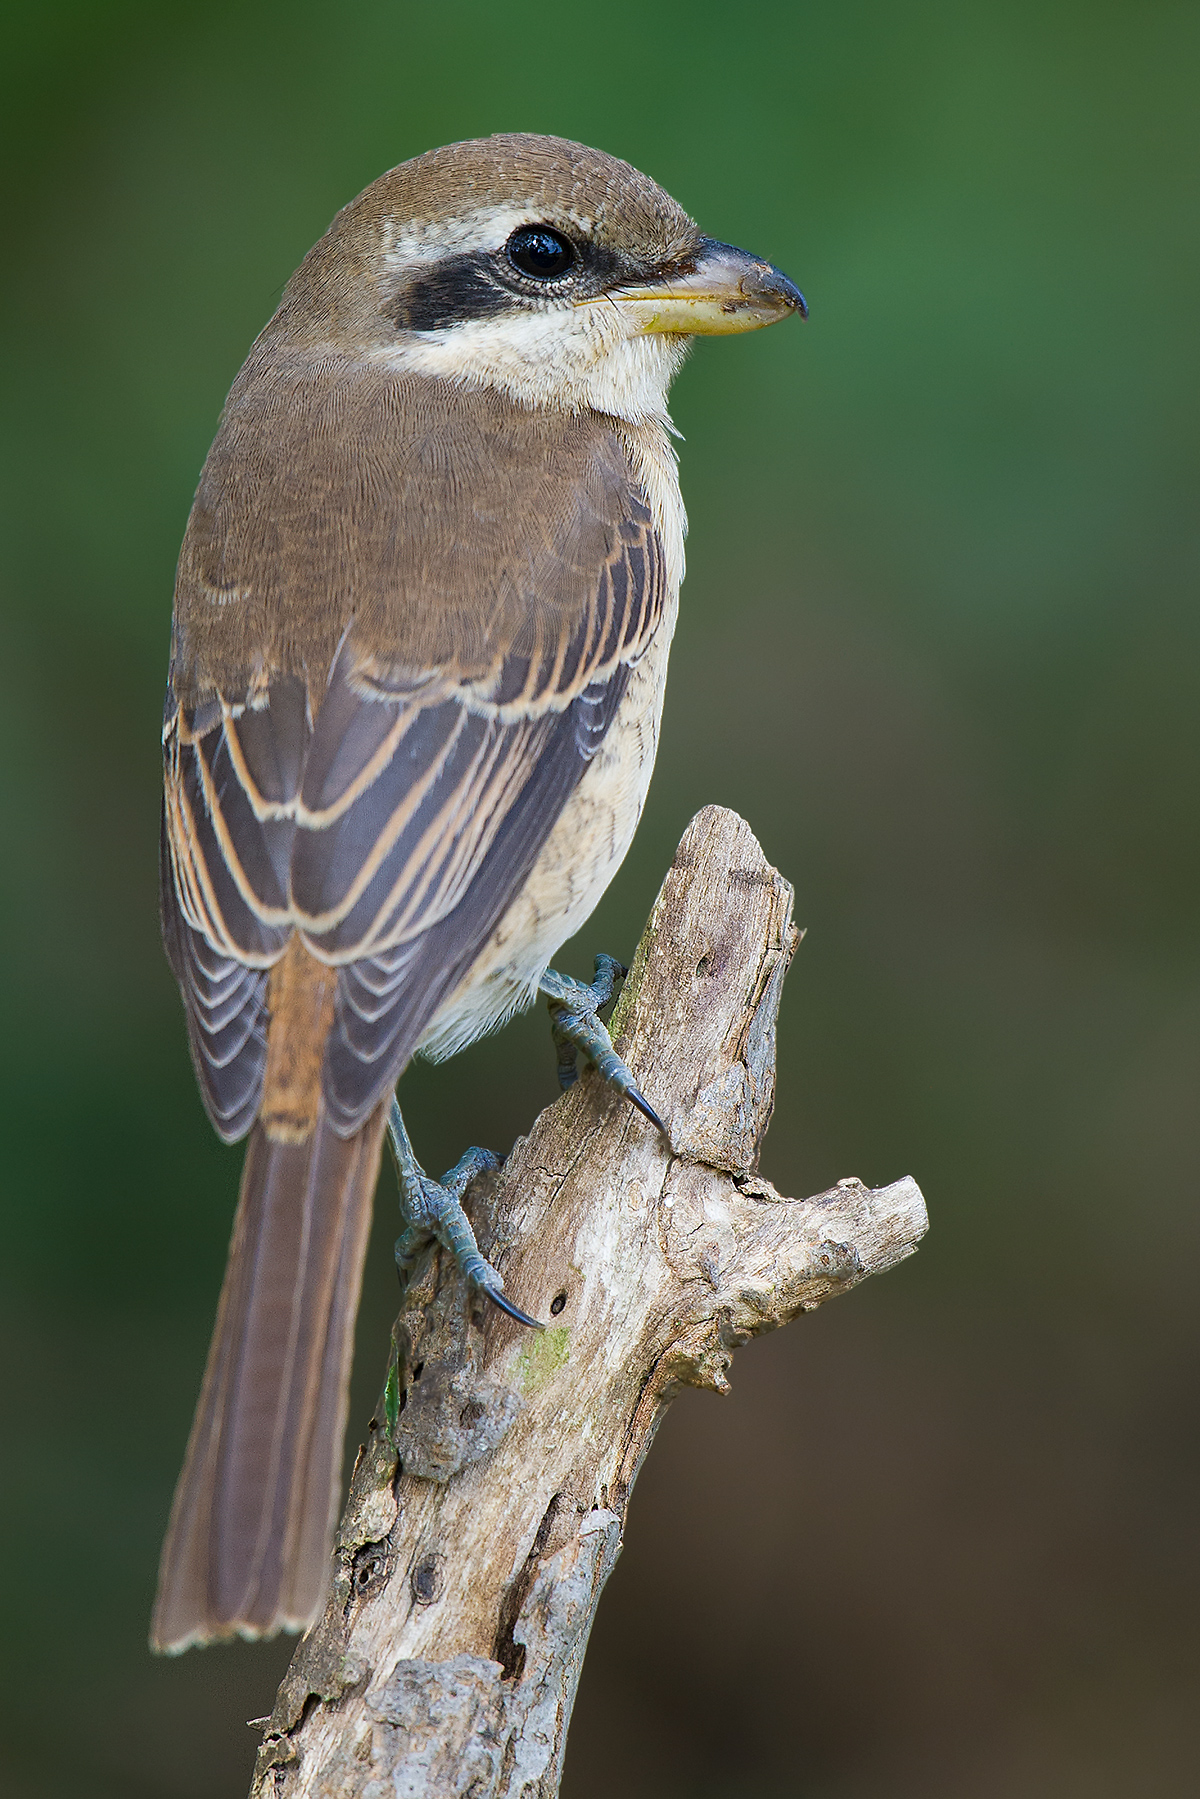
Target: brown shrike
422,617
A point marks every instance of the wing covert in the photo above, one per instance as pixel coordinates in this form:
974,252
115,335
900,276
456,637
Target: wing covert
389,799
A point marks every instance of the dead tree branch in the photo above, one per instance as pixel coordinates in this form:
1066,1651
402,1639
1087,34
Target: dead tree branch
486,1511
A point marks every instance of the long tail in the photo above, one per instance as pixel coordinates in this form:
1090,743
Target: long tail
247,1549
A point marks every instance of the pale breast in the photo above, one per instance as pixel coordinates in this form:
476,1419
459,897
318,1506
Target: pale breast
595,829
579,859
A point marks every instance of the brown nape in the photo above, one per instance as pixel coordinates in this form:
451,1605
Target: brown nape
300,996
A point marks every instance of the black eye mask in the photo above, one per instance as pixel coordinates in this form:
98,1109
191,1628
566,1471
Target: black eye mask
537,262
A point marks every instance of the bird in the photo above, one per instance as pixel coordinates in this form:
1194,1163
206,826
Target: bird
422,615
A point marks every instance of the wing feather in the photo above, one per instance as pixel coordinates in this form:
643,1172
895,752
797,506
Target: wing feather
226,1006
381,1015
388,798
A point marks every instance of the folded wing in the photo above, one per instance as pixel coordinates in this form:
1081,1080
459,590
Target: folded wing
391,813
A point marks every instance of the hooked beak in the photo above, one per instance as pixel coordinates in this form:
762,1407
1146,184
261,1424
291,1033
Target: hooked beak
727,290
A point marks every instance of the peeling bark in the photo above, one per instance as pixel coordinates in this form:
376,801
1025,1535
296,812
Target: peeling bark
486,1510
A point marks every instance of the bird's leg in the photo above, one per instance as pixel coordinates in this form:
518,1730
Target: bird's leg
575,1026
432,1211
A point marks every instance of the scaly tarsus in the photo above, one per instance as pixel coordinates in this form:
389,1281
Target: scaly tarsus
432,1212
576,1028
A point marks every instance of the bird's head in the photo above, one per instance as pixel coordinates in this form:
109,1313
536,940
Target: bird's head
555,273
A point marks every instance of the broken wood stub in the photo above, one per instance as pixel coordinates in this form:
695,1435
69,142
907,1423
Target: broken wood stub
486,1510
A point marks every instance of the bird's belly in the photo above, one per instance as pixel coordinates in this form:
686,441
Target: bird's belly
578,860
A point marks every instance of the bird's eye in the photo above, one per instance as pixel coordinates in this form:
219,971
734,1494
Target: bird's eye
536,250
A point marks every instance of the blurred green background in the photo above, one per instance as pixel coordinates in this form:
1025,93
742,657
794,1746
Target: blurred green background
938,644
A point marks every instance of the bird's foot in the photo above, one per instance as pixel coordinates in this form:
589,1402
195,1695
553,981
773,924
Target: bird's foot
576,1028
432,1212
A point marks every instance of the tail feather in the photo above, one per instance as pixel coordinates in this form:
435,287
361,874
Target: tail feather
247,1549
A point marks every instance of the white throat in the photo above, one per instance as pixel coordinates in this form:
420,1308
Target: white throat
576,358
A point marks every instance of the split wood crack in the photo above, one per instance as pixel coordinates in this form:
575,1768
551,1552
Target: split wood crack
486,1510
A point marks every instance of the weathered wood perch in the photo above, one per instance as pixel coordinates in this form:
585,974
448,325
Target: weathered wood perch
486,1511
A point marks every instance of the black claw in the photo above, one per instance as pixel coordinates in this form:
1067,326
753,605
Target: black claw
506,1305
643,1105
